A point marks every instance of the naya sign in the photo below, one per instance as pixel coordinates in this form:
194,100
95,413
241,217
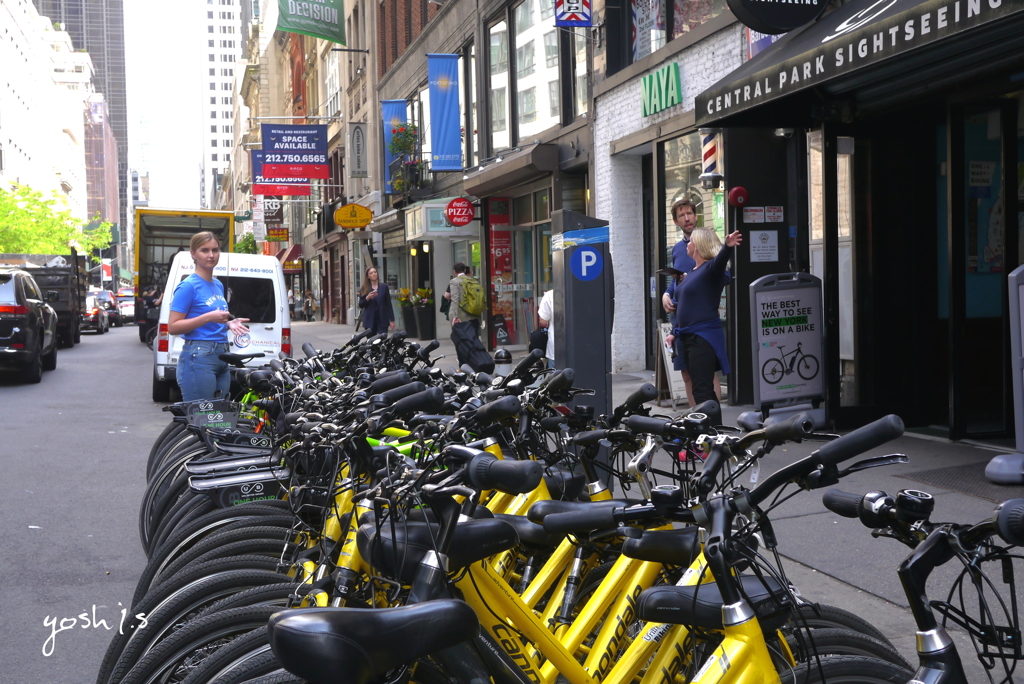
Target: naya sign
661,89
352,216
459,212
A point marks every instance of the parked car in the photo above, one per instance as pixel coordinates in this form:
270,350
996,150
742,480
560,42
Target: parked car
126,304
95,316
108,300
28,325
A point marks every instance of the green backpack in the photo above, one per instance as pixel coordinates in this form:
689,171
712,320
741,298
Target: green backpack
472,296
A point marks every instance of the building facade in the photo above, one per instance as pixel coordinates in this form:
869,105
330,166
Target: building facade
222,46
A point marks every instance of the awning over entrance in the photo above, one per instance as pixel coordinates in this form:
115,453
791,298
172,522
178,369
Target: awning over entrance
856,47
291,259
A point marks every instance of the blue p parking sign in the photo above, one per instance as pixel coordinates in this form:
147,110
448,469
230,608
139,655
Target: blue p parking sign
586,263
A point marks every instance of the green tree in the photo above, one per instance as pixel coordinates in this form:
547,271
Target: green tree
31,223
247,245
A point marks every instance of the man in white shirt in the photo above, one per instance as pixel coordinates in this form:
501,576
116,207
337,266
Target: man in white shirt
546,316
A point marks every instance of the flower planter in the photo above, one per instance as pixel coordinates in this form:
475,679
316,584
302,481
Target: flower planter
409,321
425,322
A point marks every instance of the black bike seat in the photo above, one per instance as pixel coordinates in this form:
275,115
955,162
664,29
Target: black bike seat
700,605
326,645
673,547
399,555
239,360
541,509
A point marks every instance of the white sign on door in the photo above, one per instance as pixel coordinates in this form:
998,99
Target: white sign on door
753,214
764,245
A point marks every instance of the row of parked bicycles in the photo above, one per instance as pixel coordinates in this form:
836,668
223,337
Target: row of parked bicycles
361,516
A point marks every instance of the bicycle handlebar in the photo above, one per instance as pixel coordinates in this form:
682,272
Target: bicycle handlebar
860,440
485,471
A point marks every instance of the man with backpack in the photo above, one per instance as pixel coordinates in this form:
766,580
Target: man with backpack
467,304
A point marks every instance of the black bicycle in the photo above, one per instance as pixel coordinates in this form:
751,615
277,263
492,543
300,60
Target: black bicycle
805,365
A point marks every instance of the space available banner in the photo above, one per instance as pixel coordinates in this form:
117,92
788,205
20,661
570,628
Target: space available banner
445,126
317,18
294,151
393,114
294,187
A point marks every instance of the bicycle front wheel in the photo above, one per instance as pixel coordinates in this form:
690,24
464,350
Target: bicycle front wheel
807,367
847,670
772,371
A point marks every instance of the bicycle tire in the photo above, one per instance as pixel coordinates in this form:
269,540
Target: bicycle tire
835,641
229,541
806,360
847,670
169,608
824,616
187,507
244,658
198,571
185,645
165,503
772,371
173,428
186,440
271,594
277,678
195,530
154,489
193,514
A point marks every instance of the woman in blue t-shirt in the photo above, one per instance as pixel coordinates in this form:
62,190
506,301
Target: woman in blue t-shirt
199,313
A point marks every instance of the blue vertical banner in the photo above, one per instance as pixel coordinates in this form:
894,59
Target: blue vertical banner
394,116
445,114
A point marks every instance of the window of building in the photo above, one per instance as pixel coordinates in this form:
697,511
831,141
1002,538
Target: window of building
209,29
581,78
213,115
213,86
225,115
687,16
213,72
213,157
213,143
227,157
523,14
213,100
469,76
213,129
209,15
547,9
227,129
527,105
210,43
225,100
225,86
551,48
212,58
498,87
226,143
553,98
524,60
332,83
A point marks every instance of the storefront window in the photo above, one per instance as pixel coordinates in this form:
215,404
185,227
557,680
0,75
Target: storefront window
689,14
648,28
682,160
499,83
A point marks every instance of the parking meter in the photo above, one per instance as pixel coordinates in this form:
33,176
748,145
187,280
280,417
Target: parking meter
583,303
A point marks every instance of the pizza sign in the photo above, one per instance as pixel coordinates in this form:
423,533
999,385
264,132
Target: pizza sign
459,211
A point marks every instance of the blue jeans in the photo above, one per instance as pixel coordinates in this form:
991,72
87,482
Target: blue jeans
200,373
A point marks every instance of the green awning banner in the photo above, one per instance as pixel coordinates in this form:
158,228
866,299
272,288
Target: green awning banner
317,18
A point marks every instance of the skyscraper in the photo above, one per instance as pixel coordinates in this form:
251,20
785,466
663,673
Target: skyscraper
222,46
97,26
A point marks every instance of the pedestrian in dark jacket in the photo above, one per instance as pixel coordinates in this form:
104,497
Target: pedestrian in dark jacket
375,301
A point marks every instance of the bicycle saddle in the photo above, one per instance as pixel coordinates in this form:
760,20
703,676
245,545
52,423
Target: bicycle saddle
701,605
674,547
326,645
238,360
399,555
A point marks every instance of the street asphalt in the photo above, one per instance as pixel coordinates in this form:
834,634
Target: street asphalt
74,450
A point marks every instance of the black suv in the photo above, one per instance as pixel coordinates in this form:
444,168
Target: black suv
28,326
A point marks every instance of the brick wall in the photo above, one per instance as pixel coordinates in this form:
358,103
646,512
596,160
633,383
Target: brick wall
617,179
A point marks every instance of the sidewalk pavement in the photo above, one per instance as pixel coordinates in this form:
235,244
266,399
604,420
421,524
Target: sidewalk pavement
831,559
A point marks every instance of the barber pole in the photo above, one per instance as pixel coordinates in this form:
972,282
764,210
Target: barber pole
711,166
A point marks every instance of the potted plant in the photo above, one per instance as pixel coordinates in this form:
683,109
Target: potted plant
404,146
426,317
405,303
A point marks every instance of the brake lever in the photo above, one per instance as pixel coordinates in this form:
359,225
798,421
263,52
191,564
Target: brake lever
875,462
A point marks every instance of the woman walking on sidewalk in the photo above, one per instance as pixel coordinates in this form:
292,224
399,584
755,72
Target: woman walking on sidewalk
375,301
199,313
697,323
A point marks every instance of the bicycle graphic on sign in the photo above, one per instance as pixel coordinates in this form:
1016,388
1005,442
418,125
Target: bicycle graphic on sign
805,365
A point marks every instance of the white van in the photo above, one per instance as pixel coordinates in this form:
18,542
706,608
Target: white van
254,288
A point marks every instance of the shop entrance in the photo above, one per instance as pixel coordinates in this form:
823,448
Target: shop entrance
984,181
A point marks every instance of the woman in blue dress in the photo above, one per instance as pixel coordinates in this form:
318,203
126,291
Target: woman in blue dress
375,301
199,313
697,324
